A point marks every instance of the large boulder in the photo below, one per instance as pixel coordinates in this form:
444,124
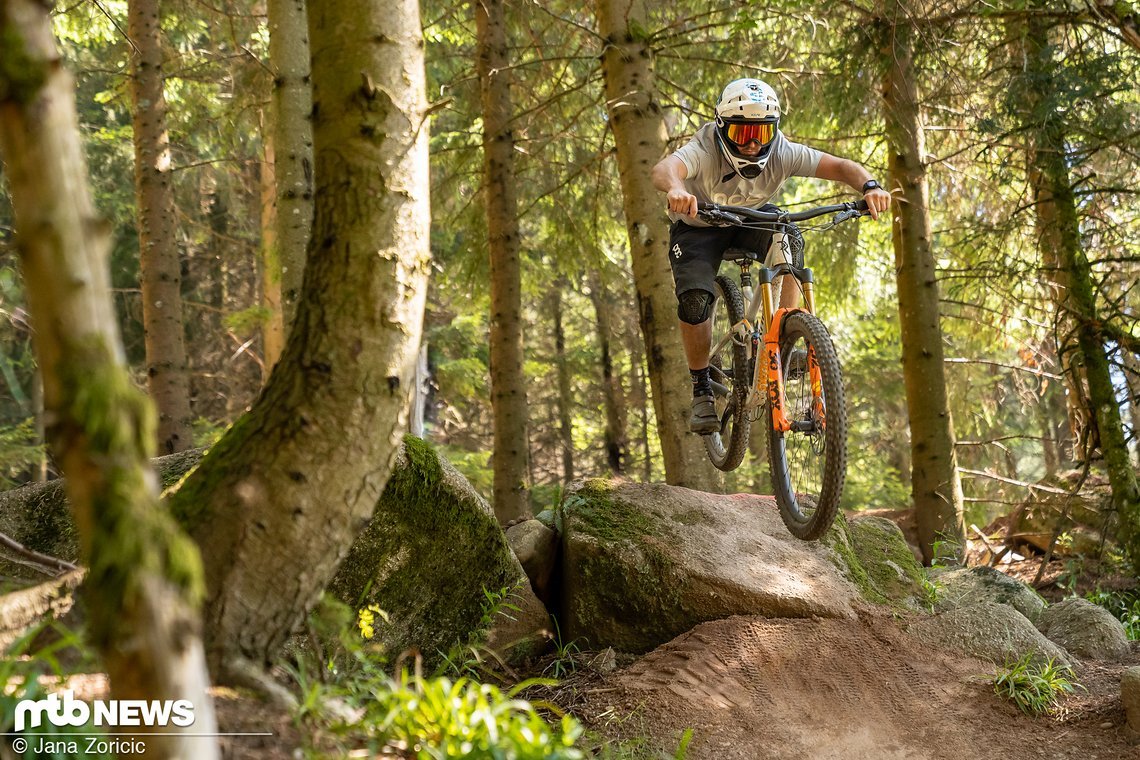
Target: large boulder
37,515
536,547
643,563
1085,629
1130,697
872,552
969,586
988,631
434,558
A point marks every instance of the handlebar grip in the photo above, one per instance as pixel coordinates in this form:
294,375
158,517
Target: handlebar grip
861,205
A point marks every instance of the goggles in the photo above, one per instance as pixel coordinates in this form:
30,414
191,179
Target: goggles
745,132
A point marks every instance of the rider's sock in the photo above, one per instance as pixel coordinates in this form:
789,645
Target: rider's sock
702,383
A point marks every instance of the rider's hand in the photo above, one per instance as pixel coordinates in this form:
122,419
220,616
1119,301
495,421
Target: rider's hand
878,201
682,202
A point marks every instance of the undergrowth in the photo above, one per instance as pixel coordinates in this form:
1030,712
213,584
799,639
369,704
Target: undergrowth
1033,686
1124,605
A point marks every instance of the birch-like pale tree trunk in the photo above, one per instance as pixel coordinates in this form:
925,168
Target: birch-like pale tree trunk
289,150
935,482
166,371
508,383
640,137
278,501
144,579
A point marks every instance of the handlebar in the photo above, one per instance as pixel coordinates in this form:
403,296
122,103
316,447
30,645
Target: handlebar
738,215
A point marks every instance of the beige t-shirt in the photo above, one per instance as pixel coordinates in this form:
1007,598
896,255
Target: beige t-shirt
712,180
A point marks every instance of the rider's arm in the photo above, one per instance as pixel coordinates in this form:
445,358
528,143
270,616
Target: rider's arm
669,177
851,173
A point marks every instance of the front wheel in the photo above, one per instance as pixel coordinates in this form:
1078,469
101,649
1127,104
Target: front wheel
809,462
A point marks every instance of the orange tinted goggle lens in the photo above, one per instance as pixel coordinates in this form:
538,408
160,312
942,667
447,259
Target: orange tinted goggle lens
742,134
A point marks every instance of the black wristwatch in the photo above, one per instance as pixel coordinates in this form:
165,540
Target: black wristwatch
870,185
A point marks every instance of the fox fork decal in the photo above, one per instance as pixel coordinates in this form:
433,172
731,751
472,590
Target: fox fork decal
776,399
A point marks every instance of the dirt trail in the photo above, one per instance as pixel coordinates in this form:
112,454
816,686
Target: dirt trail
791,689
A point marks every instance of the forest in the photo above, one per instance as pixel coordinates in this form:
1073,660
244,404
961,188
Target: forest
344,393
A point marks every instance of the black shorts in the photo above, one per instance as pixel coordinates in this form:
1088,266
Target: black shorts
695,253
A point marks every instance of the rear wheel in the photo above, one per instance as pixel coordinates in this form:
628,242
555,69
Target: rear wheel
731,369
809,462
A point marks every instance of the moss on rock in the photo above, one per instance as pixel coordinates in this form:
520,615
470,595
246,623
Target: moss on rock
872,553
430,551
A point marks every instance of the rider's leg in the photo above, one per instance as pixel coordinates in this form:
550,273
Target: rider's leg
694,255
697,340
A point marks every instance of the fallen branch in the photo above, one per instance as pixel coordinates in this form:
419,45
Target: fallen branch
53,566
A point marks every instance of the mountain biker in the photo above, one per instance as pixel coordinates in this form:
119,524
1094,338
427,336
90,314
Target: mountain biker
740,159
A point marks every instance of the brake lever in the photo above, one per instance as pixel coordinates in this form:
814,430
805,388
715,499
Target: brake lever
843,216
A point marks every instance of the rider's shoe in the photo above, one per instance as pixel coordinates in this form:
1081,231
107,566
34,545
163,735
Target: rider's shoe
797,364
704,419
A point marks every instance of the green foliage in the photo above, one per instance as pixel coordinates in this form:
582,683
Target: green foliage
20,450
441,718
565,652
28,668
345,688
1034,687
1124,605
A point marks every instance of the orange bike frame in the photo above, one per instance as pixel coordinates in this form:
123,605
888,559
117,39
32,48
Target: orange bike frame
777,401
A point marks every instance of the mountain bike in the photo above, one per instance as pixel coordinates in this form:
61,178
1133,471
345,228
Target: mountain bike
779,366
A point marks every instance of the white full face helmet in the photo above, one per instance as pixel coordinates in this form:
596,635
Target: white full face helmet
747,117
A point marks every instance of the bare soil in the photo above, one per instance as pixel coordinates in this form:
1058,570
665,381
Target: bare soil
795,689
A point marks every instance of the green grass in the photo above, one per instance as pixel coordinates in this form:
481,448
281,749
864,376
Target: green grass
1124,605
1034,687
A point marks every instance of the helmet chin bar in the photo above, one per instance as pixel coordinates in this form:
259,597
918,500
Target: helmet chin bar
749,171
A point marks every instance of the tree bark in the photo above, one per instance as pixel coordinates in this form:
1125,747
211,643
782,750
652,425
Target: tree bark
144,579
615,436
562,369
276,503
1049,152
1132,383
640,136
273,328
292,154
167,377
508,383
935,483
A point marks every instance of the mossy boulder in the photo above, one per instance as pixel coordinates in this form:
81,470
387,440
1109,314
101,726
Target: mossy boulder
968,586
643,563
988,631
37,515
434,558
1085,629
873,554
427,555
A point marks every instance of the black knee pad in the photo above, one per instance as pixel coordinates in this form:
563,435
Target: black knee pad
694,306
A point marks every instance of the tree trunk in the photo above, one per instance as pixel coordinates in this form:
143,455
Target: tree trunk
1132,383
1047,133
562,368
508,383
935,482
273,328
640,136
640,402
292,156
615,436
167,377
277,502
144,579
